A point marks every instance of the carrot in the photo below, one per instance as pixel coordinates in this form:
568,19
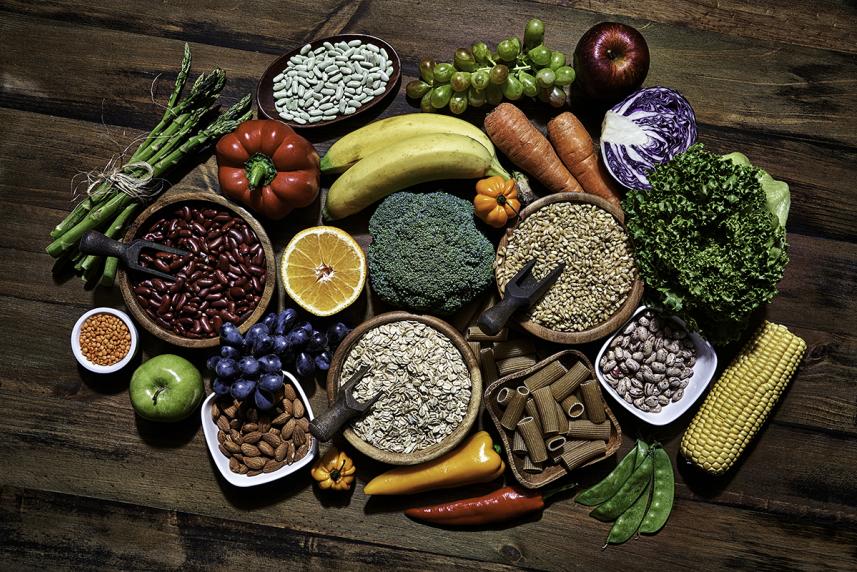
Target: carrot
526,147
575,148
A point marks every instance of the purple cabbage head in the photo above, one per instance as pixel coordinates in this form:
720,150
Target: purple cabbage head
647,128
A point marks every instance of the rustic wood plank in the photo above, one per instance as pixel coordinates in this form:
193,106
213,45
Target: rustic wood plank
77,533
822,24
791,91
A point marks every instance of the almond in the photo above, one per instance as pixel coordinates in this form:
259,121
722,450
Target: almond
281,418
231,411
298,408
298,437
281,451
288,407
271,439
250,450
230,446
225,452
249,428
302,451
266,449
234,424
273,431
236,437
221,437
215,411
252,438
255,463
234,464
222,423
272,466
264,423
288,429
290,454
303,423
289,392
242,468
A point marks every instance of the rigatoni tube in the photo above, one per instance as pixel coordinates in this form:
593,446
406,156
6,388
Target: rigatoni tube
547,411
592,400
582,429
572,407
534,440
515,408
577,456
545,376
565,385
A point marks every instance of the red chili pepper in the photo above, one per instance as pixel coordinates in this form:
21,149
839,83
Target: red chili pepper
503,504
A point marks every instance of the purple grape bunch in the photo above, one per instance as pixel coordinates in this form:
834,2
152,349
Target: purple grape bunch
252,364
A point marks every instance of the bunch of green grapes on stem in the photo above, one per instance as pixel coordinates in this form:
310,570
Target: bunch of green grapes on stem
478,76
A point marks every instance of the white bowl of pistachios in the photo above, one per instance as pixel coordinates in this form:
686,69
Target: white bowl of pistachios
654,367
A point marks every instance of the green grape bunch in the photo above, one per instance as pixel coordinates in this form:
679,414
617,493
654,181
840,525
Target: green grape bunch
477,76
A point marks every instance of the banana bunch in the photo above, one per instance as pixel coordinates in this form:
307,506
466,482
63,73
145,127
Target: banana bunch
398,152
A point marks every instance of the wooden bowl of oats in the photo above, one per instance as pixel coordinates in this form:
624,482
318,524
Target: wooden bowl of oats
600,287
431,384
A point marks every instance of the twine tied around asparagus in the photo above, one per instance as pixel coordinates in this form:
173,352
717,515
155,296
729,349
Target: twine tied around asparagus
135,179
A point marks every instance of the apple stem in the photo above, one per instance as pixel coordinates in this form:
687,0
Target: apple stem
155,397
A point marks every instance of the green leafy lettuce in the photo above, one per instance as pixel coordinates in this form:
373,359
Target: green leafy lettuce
707,243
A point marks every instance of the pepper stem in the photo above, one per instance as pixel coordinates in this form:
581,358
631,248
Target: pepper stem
260,170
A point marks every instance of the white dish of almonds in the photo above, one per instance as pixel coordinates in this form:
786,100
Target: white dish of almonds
653,367
328,80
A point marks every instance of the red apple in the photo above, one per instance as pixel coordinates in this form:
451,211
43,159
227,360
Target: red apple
611,61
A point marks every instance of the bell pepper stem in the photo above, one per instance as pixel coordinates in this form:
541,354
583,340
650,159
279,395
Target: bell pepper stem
260,170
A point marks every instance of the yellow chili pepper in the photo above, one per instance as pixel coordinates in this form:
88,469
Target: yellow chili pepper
474,461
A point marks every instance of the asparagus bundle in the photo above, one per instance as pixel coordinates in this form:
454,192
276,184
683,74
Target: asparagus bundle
186,126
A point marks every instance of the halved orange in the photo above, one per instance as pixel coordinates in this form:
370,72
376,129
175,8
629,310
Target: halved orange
323,270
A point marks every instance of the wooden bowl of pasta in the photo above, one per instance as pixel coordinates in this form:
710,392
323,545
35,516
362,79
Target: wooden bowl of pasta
577,450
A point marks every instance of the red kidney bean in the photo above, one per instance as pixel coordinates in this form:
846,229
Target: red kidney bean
142,291
257,270
236,292
255,282
164,305
219,304
221,277
215,243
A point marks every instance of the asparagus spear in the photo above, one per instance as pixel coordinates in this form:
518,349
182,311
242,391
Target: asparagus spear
108,275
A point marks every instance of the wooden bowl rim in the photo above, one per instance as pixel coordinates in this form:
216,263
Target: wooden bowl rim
130,298
596,332
553,472
450,441
265,85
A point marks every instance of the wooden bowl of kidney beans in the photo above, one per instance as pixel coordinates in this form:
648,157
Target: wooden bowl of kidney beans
228,274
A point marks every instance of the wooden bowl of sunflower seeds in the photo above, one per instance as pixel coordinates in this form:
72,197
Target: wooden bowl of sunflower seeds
430,384
252,447
600,287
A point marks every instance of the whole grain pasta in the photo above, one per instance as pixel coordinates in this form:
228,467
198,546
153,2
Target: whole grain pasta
488,366
514,348
518,445
513,364
503,396
531,467
515,408
530,408
572,407
475,334
567,446
545,376
592,400
533,439
582,454
565,385
556,443
581,429
560,417
546,407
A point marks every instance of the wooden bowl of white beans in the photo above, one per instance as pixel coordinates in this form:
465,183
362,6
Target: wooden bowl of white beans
328,80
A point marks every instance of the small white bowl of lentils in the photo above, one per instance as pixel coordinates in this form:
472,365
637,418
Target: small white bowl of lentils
104,340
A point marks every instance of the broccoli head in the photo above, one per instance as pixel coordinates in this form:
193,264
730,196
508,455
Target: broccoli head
427,254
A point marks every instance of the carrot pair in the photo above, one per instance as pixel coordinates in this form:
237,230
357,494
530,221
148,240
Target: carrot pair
569,164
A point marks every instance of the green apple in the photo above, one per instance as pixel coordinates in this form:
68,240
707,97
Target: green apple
166,388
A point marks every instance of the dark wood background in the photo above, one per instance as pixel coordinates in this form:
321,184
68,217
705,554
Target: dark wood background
83,483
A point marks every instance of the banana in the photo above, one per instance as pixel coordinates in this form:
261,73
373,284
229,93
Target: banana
366,140
404,163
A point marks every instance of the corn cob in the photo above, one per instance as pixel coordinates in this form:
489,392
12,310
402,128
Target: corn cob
742,399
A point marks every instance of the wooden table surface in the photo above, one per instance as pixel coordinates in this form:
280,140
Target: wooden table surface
83,483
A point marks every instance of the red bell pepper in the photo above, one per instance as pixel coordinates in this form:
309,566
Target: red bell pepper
268,167
501,505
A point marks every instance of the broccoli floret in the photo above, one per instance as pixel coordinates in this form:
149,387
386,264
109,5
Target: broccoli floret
427,254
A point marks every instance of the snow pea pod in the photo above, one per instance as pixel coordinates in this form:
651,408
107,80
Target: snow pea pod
627,493
662,495
629,521
601,491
